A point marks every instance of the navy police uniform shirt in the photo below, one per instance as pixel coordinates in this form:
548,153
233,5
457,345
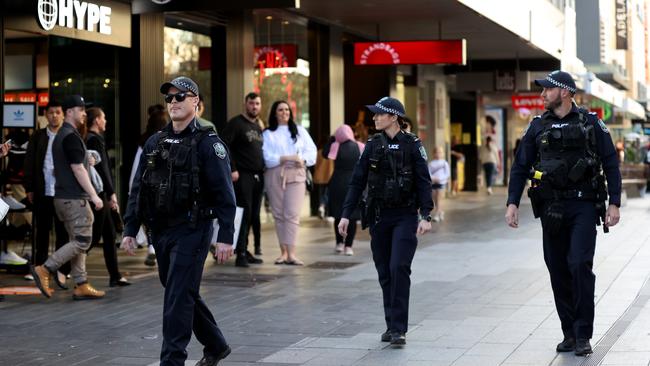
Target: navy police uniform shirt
422,179
215,180
528,150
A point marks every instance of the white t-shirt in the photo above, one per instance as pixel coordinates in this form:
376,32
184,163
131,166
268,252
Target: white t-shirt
439,169
278,143
48,165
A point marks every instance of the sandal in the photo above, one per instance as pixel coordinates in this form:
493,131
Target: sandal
295,262
280,261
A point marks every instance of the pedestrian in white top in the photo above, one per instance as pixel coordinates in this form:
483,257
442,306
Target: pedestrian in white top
287,149
489,156
439,172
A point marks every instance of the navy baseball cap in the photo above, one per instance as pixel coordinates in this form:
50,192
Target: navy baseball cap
181,83
558,79
387,105
71,101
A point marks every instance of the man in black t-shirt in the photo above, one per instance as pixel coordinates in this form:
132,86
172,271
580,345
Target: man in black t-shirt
72,191
243,135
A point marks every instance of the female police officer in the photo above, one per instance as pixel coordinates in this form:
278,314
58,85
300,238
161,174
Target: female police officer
394,168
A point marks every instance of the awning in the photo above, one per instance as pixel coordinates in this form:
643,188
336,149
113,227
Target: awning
603,91
634,108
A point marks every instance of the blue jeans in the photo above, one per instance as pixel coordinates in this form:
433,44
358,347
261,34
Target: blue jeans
489,170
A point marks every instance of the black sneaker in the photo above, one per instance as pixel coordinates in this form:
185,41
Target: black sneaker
583,347
210,360
252,260
258,251
397,339
567,345
385,336
241,261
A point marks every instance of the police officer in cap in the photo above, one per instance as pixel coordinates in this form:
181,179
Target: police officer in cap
182,184
565,152
393,167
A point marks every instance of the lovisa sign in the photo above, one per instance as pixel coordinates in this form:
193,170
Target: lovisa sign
529,101
410,53
74,14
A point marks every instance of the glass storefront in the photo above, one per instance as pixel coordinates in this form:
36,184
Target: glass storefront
281,62
188,53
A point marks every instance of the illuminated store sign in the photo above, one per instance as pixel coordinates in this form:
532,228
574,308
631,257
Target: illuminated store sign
410,53
74,14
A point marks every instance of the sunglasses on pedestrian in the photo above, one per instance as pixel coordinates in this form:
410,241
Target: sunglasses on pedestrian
178,96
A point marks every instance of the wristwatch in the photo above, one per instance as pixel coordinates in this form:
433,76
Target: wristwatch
428,218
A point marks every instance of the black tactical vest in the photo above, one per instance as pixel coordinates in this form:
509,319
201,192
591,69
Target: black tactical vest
567,158
170,190
390,175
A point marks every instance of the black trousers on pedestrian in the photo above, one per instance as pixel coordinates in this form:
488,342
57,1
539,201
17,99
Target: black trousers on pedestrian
248,190
569,257
352,232
104,228
393,245
44,217
181,253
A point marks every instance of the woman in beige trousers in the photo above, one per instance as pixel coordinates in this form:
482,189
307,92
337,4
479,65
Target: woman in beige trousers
288,150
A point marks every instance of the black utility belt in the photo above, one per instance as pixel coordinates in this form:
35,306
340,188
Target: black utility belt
574,194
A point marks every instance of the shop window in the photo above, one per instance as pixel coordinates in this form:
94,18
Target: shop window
187,54
281,63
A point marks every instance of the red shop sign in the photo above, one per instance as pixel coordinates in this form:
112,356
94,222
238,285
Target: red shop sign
43,99
530,101
410,53
275,56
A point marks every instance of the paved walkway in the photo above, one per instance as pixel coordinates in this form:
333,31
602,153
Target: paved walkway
480,296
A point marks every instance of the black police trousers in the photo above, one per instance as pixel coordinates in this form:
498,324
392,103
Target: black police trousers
249,189
393,244
569,257
181,253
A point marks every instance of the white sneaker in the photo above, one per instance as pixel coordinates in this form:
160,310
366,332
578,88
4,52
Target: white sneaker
441,215
339,248
29,277
13,204
436,218
11,258
349,251
321,212
489,190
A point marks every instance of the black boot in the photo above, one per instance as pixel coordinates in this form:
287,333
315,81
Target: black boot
567,345
252,260
241,261
397,339
583,347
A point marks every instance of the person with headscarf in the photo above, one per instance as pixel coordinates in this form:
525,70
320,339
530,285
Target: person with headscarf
345,152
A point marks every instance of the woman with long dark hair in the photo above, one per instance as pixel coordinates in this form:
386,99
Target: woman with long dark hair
157,120
287,149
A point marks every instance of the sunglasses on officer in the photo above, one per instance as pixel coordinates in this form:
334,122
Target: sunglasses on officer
178,96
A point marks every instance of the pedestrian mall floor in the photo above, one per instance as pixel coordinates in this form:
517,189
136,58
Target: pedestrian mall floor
480,296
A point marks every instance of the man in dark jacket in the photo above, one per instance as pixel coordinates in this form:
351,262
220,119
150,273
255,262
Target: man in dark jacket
39,185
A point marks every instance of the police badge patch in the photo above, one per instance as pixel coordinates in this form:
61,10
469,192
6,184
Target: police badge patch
423,152
219,150
602,125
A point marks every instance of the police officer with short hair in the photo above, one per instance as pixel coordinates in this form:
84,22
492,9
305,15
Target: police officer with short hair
182,184
565,152
393,167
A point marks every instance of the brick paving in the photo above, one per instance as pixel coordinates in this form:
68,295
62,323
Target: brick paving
480,296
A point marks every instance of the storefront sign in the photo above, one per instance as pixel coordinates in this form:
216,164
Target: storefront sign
74,14
530,101
275,56
504,81
621,24
410,53
102,21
